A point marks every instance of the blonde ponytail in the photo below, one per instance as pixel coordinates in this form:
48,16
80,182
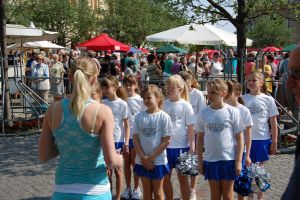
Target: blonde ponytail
82,69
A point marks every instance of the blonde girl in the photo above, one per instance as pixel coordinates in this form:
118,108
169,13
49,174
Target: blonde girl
219,128
112,90
151,136
79,130
234,99
197,101
135,104
263,110
183,119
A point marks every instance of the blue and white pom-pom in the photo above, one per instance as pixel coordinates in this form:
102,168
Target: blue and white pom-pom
187,164
260,175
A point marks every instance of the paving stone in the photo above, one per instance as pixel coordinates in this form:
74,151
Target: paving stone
23,177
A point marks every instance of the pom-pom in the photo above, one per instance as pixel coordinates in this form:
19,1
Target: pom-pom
260,175
187,164
242,184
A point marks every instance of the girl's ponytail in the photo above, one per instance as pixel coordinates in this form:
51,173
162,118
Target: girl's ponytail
185,94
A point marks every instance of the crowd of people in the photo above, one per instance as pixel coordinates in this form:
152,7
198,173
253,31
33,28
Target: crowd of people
51,74
140,133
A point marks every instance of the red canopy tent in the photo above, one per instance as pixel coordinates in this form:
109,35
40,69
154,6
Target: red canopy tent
103,42
271,49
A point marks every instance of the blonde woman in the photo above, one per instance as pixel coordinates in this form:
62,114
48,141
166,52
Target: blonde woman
80,131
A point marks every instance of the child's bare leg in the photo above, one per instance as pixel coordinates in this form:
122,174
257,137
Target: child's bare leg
227,189
184,186
119,182
132,159
215,189
127,169
158,190
147,188
168,187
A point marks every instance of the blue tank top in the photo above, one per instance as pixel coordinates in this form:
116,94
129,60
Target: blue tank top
80,154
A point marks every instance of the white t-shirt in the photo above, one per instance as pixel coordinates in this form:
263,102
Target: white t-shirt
135,105
120,111
246,117
261,107
151,128
219,128
197,100
182,115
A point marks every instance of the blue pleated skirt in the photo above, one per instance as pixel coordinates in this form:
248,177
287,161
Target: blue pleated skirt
158,172
173,154
219,170
69,196
260,150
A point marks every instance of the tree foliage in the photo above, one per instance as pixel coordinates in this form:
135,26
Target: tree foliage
131,21
237,12
270,31
73,22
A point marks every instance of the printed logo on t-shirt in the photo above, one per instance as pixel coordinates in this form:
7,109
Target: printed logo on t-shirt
216,127
172,116
254,109
149,129
148,132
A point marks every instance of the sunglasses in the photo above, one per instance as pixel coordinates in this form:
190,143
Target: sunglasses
294,73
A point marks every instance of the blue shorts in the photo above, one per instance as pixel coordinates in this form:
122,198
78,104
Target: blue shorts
130,144
219,170
71,196
260,150
173,154
119,145
158,172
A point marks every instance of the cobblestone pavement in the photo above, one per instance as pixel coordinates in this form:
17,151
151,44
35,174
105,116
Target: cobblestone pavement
22,176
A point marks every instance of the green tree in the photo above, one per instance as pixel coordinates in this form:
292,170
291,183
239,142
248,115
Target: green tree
130,21
73,22
237,12
270,31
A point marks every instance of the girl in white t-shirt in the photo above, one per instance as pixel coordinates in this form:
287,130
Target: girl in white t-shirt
234,99
183,119
135,105
197,101
219,128
151,136
111,90
263,110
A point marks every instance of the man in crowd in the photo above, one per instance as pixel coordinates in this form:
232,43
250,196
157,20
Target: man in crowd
293,82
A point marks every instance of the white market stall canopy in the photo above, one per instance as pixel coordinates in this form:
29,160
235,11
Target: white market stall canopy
37,45
197,34
19,34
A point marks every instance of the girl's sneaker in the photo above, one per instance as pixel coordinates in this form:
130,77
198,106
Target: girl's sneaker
136,194
126,194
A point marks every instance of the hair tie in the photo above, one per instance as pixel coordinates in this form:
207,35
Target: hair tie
78,68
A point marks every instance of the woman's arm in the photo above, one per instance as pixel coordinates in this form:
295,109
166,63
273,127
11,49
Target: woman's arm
47,148
248,142
274,132
111,157
239,152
